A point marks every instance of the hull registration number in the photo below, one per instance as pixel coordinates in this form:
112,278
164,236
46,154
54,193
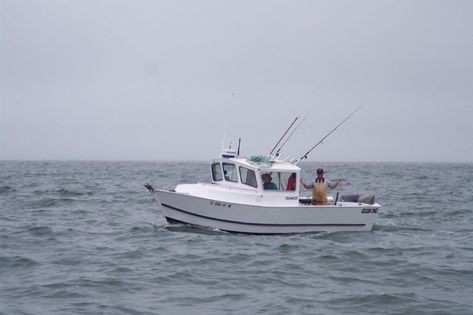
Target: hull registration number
369,210
220,204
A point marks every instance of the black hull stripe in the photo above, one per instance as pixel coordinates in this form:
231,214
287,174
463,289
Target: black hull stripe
259,224
174,221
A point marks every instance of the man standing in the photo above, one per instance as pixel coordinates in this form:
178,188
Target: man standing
320,187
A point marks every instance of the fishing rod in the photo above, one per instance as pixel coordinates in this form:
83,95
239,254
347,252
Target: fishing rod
294,130
282,137
326,136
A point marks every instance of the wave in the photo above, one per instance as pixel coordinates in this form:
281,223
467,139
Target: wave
69,193
40,230
376,299
147,227
6,189
61,193
16,262
420,213
187,228
122,270
45,203
460,212
398,228
48,202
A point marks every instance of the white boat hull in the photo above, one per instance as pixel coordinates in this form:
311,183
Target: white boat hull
263,219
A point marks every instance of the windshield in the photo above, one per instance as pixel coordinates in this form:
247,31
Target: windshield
248,177
282,181
229,172
216,172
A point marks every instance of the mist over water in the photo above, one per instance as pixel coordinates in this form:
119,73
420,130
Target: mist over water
88,238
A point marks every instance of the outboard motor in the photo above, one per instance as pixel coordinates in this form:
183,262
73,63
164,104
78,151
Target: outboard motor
368,199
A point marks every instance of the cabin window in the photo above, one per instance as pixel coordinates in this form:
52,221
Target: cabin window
283,181
270,181
216,172
248,177
288,181
229,172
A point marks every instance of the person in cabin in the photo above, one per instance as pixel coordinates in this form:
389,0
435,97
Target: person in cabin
320,187
267,182
291,182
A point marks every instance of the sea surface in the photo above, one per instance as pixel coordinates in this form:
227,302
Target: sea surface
88,238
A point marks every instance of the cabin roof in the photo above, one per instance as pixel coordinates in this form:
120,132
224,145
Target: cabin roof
274,165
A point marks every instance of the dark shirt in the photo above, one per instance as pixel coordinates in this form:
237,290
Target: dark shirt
270,186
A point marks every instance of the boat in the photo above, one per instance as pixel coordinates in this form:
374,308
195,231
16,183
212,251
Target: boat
235,201
261,195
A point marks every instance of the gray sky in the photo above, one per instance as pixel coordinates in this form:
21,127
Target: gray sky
152,80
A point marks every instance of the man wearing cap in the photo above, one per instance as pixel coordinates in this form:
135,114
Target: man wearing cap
320,187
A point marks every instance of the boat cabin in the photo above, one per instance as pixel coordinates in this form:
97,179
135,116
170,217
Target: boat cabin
267,177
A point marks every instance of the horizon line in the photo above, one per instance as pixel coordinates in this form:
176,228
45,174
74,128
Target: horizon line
208,161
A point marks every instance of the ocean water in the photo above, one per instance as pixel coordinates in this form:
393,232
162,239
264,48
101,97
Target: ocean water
88,238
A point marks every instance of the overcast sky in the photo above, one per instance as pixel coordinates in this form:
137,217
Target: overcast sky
153,80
